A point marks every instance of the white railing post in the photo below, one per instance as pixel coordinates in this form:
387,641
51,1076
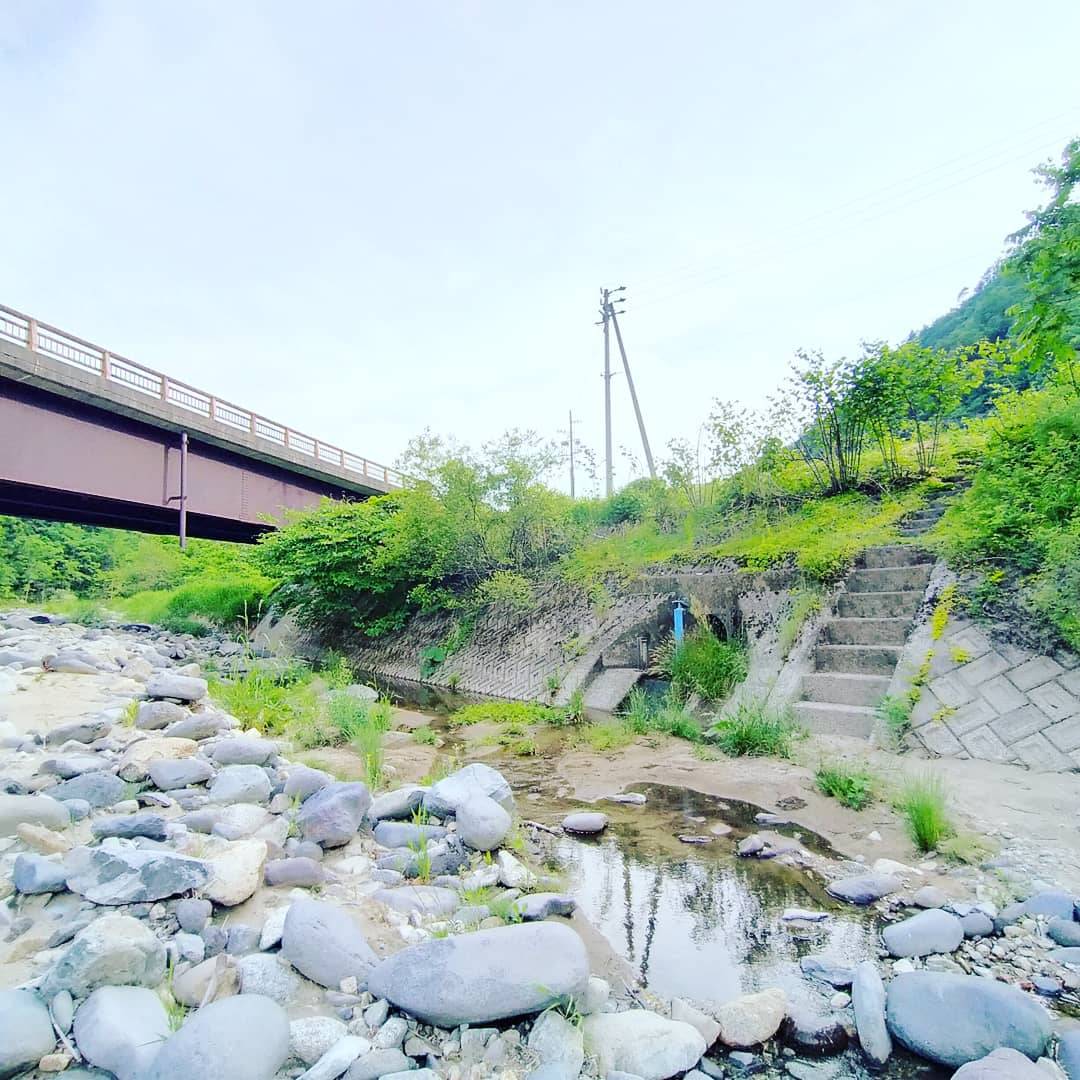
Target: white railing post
31,335
106,363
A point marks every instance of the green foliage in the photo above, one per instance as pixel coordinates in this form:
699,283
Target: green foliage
1047,257
200,606
924,803
755,730
1019,522
895,713
506,591
702,664
606,735
262,699
851,785
425,736
805,604
505,712
666,715
824,536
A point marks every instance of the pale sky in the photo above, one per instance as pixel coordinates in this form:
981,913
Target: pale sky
362,218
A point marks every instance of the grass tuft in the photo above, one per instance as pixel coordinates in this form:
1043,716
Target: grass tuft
851,785
924,803
755,730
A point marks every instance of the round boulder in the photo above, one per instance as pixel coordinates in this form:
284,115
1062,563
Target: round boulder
642,1043
26,1032
588,823
954,1019
120,1029
244,1038
482,823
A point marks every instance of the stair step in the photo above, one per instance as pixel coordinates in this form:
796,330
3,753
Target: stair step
825,718
866,631
857,659
889,579
893,555
843,689
879,605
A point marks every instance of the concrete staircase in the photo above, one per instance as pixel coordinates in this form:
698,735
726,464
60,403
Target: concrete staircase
858,649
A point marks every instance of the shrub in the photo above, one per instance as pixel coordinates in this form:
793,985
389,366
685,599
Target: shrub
851,785
269,701
506,591
668,715
754,730
924,803
895,713
702,664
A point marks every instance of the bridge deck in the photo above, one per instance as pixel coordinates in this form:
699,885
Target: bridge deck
36,354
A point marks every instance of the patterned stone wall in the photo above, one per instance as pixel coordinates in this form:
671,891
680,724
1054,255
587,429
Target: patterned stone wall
559,643
996,701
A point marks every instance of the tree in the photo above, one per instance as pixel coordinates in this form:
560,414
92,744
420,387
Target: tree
1047,255
828,417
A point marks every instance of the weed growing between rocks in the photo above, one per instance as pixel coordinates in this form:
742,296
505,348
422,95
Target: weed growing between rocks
851,785
924,803
968,848
755,729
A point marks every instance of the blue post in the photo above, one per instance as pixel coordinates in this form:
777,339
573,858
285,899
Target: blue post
680,607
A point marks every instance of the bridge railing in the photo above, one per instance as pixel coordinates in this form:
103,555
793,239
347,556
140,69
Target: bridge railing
58,344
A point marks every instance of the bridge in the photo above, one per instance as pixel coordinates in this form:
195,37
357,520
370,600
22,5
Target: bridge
91,437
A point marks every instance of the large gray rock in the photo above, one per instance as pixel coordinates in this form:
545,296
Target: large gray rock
931,931
311,1036
954,1019
332,816
244,1038
193,914
16,810
71,765
482,824
586,823
128,826
559,1045
1004,1064
425,899
1052,903
203,725
167,684
868,1004
444,797
240,784
301,872
399,834
268,974
1069,1053
379,1063
99,789
180,773
114,950
534,907
303,781
484,976
751,1019
155,715
243,750
130,876
26,1032
1064,932
85,731
323,943
33,875
642,1043
121,1029
396,805
863,888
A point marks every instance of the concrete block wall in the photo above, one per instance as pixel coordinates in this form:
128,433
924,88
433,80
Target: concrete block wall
989,699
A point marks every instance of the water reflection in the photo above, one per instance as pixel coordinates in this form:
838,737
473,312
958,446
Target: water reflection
698,922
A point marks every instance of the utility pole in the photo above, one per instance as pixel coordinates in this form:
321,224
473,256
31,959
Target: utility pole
633,396
608,299
609,472
572,494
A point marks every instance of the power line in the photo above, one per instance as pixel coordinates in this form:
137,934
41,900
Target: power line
1009,146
